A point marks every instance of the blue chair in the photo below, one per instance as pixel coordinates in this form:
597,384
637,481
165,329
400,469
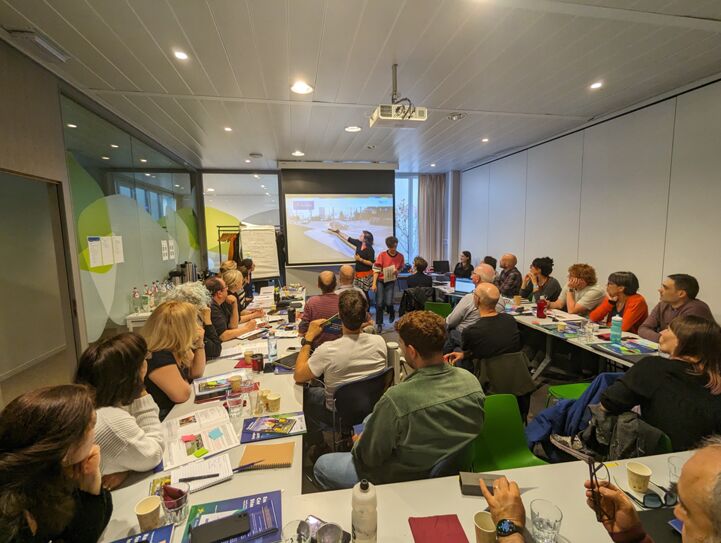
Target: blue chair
451,464
354,401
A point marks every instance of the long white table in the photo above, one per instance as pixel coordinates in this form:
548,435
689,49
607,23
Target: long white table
124,523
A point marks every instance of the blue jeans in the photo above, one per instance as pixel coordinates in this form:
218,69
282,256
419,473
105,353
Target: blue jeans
334,471
384,298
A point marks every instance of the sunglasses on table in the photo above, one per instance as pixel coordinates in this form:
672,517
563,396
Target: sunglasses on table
654,500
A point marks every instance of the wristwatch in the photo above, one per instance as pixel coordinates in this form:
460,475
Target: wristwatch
507,527
304,342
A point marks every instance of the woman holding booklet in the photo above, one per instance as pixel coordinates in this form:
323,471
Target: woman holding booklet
128,428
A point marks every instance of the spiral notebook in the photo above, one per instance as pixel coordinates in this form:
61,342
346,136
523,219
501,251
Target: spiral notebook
214,470
277,455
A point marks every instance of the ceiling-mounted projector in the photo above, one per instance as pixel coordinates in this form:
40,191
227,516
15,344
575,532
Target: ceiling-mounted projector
398,116
400,113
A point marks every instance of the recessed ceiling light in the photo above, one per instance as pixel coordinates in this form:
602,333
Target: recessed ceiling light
177,186
211,190
256,176
114,146
71,125
105,157
180,55
301,87
456,116
143,160
262,186
433,164
248,161
353,128
147,175
267,193
298,153
484,140
228,129
597,85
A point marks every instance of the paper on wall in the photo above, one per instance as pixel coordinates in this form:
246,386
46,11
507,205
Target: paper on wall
118,253
164,249
171,249
95,253
106,249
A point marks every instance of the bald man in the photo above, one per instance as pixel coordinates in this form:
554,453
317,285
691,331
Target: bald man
323,306
510,279
493,334
465,313
346,276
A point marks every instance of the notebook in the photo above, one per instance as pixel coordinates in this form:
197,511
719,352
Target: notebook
216,464
277,455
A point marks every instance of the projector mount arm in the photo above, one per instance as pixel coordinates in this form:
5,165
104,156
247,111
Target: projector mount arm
406,110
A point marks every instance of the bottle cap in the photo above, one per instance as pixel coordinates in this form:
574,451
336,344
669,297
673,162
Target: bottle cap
364,485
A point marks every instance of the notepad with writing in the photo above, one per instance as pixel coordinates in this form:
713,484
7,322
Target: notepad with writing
277,455
219,465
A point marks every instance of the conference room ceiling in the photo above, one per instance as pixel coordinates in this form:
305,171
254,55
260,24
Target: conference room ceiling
519,69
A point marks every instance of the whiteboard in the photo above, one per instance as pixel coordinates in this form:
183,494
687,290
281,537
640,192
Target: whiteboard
258,242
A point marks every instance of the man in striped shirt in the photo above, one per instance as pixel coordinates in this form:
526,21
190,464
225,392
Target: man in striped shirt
323,306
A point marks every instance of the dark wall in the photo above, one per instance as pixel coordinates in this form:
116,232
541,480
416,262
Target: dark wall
337,182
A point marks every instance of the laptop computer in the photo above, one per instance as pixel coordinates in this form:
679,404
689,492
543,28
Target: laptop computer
441,266
464,286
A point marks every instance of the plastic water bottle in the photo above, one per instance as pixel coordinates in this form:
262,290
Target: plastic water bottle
272,346
364,517
541,308
616,330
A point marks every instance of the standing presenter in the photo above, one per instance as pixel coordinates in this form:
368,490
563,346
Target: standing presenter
364,256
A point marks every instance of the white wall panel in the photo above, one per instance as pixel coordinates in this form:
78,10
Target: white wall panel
694,220
624,195
507,206
552,203
473,231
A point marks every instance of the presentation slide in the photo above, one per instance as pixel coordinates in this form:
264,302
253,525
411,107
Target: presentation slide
311,219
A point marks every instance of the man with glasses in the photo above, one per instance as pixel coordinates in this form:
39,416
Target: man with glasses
465,312
697,505
224,312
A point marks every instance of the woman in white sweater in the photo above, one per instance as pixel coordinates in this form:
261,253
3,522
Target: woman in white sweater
128,429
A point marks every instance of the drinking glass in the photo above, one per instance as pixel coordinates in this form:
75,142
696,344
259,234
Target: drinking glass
177,507
296,531
546,519
675,463
235,402
329,533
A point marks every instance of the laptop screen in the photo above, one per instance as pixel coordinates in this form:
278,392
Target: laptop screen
441,266
464,285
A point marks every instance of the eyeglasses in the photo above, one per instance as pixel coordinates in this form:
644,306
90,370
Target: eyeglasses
653,500
597,471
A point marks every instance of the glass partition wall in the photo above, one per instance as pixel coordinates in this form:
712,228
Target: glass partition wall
135,216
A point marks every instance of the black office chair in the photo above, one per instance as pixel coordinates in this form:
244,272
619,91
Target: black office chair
354,401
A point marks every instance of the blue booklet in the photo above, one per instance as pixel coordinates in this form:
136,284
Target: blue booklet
272,427
264,513
159,535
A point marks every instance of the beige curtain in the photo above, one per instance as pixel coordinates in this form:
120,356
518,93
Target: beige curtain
432,217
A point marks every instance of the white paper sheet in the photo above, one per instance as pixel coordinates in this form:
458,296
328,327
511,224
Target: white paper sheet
171,249
164,249
95,252
118,253
106,248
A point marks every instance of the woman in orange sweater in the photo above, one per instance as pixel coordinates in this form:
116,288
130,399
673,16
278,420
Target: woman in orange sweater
623,300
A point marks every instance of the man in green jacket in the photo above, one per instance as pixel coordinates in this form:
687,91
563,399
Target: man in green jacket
434,413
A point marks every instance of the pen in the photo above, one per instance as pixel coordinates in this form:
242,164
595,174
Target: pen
198,477
246,466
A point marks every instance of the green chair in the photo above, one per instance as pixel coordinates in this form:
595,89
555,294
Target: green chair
502,441
664,445
572,391
439,308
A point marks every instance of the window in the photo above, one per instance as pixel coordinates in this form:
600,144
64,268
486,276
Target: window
407,215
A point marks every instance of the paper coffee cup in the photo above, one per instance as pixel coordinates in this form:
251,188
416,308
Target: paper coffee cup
248,355
148,512
236,383
273,401
517,300
485,527
639,476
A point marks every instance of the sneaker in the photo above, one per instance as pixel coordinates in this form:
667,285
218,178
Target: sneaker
380,328
572,445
